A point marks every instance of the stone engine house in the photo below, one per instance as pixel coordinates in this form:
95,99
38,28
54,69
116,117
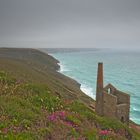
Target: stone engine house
111,102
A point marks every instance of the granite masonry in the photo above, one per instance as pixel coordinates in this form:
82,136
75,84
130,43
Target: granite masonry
111,102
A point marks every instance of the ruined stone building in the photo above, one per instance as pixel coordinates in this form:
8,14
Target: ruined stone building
111,102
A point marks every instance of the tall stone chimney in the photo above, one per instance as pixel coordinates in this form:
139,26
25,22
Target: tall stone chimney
99,90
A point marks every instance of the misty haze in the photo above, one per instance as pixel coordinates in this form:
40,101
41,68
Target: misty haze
69,69
75,23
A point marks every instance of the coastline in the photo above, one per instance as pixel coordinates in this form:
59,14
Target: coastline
62,69
33,66
40,67
83,89
29,69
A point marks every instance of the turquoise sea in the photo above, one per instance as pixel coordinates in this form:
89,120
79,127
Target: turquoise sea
121,68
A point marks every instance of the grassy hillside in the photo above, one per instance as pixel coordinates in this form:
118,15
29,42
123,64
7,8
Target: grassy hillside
30,111
38,103
35,66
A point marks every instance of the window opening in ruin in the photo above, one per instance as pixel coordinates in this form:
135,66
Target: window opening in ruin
109,91
122,119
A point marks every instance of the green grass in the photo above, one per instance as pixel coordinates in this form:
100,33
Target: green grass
24,108
20,136
91,134
102,122
73,119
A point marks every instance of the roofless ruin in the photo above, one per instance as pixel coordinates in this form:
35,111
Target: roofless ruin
111,102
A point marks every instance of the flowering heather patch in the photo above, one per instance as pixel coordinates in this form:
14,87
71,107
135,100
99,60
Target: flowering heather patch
56,115
4,131
70,124
103,132
104,135
52,117
63,116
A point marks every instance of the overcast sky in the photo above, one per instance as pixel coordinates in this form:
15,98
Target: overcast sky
70,23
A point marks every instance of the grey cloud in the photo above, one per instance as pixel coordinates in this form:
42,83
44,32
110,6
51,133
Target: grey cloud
70,23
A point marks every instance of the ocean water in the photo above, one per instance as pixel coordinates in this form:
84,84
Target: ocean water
121,68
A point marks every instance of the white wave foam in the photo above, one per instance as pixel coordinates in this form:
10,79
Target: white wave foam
62,68
88,90
136,120
135,109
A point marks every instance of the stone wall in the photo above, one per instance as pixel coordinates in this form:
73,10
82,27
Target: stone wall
123,113
111,102
122,97
109,107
